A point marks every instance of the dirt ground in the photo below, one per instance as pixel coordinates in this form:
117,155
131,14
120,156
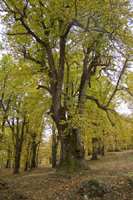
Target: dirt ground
115,170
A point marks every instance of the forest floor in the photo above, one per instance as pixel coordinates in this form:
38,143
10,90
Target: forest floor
115,171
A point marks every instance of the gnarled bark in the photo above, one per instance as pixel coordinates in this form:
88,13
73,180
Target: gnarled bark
72,153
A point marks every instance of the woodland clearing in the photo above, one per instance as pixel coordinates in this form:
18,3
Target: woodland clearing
115,170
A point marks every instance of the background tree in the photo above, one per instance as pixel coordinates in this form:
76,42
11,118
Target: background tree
19,107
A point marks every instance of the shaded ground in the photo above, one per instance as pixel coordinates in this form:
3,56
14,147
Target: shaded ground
115,170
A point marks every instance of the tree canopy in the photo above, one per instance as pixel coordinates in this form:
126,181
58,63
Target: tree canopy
78,51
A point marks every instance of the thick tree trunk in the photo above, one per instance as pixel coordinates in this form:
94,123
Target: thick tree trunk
72,153
72,158
62,148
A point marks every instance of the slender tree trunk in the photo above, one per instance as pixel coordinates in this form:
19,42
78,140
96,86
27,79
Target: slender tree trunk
8,164
116,145
17,159
102,150
100,147
26,166
37,156
33,161
34,149
55,141
89,152
54,154
18,132
18,147
95,149
27,158
30,158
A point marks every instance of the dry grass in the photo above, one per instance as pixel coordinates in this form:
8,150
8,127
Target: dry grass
44,183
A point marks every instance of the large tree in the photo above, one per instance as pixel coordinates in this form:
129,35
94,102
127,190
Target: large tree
71,41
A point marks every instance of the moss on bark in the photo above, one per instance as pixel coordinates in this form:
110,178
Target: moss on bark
73,160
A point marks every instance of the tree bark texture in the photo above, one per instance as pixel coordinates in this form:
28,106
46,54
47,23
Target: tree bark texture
34,148
17,159
18,138
72,152
54,148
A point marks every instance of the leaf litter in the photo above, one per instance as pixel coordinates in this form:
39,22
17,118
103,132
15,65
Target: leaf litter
43,183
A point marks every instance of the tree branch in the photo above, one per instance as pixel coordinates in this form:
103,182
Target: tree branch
109,118
13,34
101,107
97,102
29,57
77,23
118,81
127,90
68,28
44,87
